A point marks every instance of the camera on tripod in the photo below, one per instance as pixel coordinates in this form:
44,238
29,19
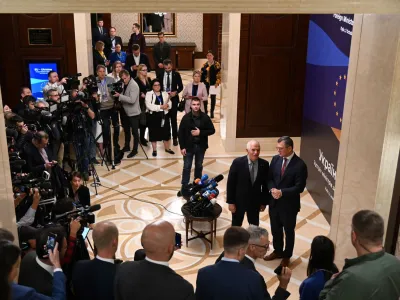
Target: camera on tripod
116,87
73,81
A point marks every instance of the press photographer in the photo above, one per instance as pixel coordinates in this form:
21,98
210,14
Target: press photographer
108,114
54,83
129,98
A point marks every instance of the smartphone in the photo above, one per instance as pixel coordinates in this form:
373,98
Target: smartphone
51,241
278,270
178,240
85,232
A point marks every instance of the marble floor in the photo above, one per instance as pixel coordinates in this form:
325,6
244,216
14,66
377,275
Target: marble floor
136,192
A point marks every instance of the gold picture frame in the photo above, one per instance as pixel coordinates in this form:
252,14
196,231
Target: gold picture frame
153,23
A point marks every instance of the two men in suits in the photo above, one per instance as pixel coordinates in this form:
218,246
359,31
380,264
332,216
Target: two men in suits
247,190
229,279
110,42
286,181
135,59
152,278
161,52
258,247
36,269
94,279
171,82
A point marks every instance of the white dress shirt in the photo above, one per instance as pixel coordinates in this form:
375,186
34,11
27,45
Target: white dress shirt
252,259
48,268
229,259
109,260
288,159
162,263
165,81
137,59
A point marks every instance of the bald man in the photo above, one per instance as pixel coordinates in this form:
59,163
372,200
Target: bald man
246,190
152,278
94,279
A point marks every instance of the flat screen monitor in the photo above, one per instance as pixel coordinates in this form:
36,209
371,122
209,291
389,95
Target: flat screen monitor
38,76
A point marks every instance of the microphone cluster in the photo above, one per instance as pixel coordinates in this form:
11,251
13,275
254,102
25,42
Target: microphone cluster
202,195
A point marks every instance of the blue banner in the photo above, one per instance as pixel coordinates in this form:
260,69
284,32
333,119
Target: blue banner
329,41
38,75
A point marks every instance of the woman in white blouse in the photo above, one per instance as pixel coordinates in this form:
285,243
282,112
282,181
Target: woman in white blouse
158,105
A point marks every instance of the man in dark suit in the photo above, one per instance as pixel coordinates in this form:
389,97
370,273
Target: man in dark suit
171,82
137,38
161,52
286,181
152,278
20,106
246,189
135,59
94,279
36,269
99,33
110,42
228,279
258,247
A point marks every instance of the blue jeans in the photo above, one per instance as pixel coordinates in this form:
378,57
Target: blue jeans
198,155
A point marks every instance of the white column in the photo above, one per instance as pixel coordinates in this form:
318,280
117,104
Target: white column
83,42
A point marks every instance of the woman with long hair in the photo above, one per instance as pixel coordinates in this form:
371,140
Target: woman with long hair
116,68
195,89
99,57
143,82
10,260
211,76
320,268
158,105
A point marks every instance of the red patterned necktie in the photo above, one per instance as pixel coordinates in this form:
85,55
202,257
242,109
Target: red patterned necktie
284,166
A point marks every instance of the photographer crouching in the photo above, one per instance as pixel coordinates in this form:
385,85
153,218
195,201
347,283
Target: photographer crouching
129,98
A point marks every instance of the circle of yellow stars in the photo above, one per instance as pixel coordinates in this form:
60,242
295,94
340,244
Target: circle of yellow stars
344,77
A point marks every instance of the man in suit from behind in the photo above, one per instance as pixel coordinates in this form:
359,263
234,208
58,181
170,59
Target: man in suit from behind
94,279
247,190
99,33
258,247
286,181
135,59
229,279
161,52
152,278
36,269
171,82
110,42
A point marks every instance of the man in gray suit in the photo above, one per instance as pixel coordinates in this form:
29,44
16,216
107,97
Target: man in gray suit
130,103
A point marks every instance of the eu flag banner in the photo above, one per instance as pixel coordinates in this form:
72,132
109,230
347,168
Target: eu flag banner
329,41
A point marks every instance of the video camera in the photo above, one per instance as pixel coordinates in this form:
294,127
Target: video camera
72,81
116,87
85,213
91,84
202,195
25,183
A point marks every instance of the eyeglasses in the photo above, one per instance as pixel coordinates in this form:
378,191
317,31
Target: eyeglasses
266,247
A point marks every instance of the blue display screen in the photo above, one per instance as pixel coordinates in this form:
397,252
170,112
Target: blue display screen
38,76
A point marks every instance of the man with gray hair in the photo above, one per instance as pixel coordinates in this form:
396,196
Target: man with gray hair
258,247
247,190
101,270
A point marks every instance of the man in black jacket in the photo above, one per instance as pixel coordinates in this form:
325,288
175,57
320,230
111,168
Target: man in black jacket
135,59
94,279
194,130
161,52
246,189
286,181
258,247
171,82
110,42
152,278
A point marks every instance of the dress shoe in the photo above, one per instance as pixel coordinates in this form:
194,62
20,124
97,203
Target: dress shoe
272,256
169,151
144,142
154,153
132,154
285,262
175,143
126,149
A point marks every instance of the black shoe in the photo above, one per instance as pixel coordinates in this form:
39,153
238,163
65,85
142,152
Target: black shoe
144,142
169,151
94,161
117,162
132,154
126,149
175,143
154,153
